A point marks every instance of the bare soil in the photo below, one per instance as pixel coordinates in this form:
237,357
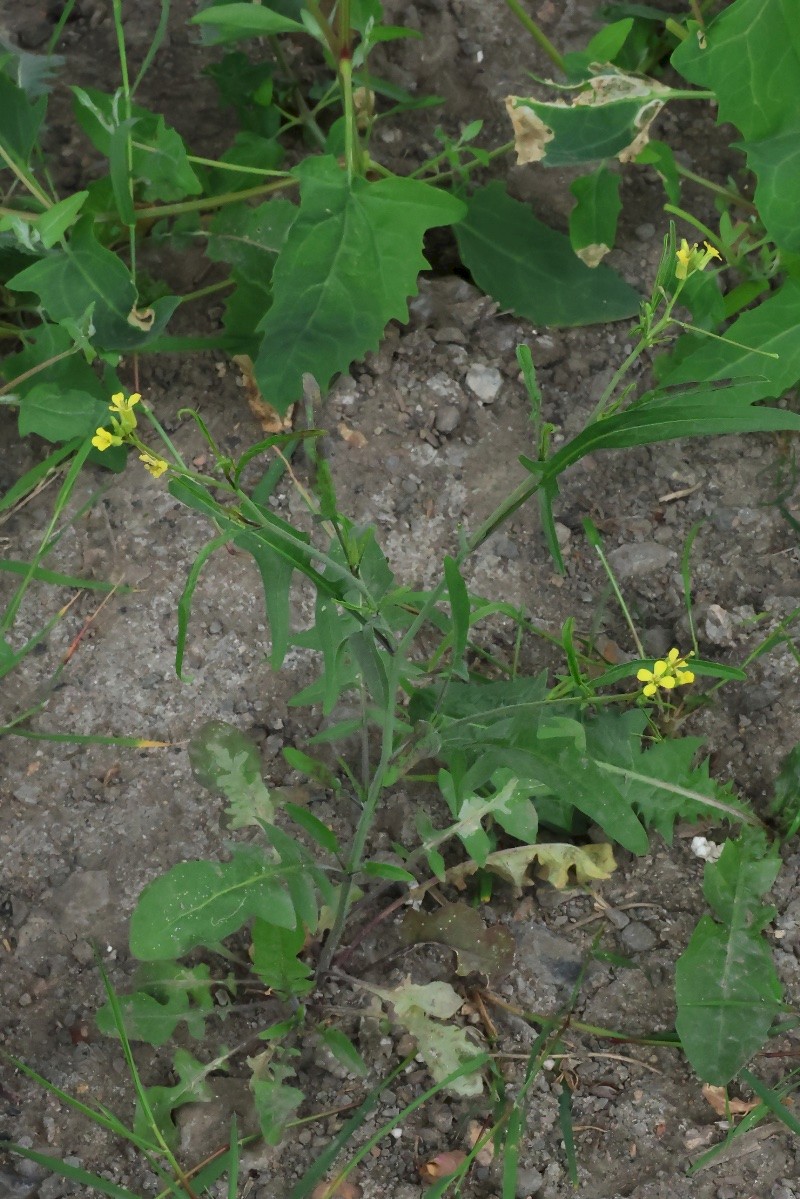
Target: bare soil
84,828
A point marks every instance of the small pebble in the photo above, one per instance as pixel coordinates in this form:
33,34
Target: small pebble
645,232
447,419
484,381
637,937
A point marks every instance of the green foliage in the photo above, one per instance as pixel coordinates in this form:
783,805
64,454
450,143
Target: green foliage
347,233
531,269
727,988
166,994
755,92
201,903
319,259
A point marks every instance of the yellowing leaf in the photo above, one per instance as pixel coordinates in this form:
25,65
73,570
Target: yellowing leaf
555,862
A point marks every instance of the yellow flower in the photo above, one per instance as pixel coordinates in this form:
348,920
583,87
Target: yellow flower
123,410
667,673
155,465
691,258
103,439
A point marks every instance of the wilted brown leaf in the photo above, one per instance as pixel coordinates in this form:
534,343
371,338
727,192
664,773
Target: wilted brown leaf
441,1165
475,1132
715,1096
265,414
352,436
487,950
344,1189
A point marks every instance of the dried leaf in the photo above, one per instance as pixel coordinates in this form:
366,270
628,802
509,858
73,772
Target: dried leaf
342,1189
475,1132
487,950
555,861
265,414
724,1106
352,436
531,135
440,1166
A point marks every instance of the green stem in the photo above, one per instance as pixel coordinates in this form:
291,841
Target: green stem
27,182
205,203
718,190
350,131
207,291
34,370
116,6
538,35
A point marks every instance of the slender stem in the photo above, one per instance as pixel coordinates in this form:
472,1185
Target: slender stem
126,94
731,196
616,378
27,182
539,36
58,29
21,213
34,370
325,26
307,118
207,291
350,132
205,203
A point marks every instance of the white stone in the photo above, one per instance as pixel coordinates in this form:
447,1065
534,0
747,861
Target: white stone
484,381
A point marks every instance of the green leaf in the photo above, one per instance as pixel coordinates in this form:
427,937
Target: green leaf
227,762
163,1101
660,156
83,273
53,224
20,121
611,116
276,580
276,961
200,903
250,239
75,1174
531,269
274,1099
160,163
727,988
771,328
344,1051
617,738
349,263
60,415
750,57
70,373
166,994
460,613
593,220
232,21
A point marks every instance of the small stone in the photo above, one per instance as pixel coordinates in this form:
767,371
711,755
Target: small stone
25,999
546,351
640,558
645,232
718,625
529,1182
637,937
215,628
447,419
12,1186
563,534
484,381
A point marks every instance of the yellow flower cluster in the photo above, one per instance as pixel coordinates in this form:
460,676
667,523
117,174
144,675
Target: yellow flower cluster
692,258
123,426
667,673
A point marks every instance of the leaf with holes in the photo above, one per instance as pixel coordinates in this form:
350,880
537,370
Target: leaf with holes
83,273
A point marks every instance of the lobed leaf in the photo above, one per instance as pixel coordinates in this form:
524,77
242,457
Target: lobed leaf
750,57
348,265
727,988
